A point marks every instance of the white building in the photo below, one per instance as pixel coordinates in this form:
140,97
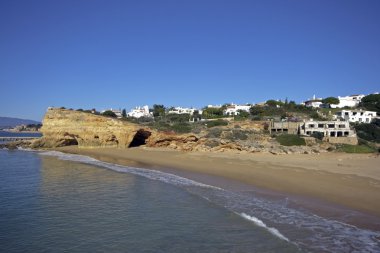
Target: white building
214,106
139,112
181,110
117,112
356,116
328,128
314,102
233,109
348,101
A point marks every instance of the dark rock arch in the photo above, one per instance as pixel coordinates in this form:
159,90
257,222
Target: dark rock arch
140,138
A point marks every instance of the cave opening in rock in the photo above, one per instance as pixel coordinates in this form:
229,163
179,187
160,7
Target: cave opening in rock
140,138
70,142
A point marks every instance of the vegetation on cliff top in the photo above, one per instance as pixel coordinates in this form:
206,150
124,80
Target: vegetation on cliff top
369,132
290,140
356,148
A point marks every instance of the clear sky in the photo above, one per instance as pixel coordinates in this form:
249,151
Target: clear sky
120,54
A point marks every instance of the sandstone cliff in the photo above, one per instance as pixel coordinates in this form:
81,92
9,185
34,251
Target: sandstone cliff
63,127
66,127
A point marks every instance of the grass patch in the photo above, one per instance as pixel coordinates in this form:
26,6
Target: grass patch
215,123
356,149
290,140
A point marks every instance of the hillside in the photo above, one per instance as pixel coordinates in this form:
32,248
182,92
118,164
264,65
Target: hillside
6,122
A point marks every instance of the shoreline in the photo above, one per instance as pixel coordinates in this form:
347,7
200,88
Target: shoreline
330,184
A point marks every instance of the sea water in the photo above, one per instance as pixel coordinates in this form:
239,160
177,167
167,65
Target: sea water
54,202
18,134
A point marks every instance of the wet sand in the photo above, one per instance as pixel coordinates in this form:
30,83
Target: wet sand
344,181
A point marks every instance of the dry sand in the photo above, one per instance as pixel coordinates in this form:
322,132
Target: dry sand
348,180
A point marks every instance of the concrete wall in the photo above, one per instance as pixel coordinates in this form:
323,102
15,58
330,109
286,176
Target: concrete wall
342,140
284,127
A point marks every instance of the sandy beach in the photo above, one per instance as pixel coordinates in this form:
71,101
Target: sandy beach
346,180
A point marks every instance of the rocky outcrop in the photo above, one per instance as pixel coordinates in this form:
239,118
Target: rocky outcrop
63,127
66,127
185,142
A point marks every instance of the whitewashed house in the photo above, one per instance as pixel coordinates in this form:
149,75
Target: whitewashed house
314,102
358,116
181,110
348,101
233,109
214,106
117,112
139,112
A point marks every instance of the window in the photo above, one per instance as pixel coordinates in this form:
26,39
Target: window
360,119
342,126
332,134
354,113
367,120
320,125
311,126
346,113
346,133
331,126
308,132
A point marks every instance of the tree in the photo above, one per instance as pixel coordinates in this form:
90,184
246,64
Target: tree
371,102
330,101
256,110
124,113
369,132
158,110
243,114
109,114
274,103
211,112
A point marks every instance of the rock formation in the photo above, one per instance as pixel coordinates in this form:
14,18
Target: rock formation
63,127
66,127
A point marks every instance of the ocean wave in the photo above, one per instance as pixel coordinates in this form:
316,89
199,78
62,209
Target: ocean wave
300,227
260,223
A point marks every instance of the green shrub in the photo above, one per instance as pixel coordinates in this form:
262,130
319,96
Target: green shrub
290,140
237,134
109,114
214,133
356,149
318,135
215,123
181,127
369,132
178,117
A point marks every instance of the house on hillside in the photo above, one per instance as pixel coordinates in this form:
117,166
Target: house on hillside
314,102
358,116
214,106
233,109
285,127
117,112
333,131
139,112
181,110
348,101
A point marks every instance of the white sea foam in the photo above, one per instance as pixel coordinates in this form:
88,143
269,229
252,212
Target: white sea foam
260,223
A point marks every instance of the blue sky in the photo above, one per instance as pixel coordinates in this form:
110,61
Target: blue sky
120,54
